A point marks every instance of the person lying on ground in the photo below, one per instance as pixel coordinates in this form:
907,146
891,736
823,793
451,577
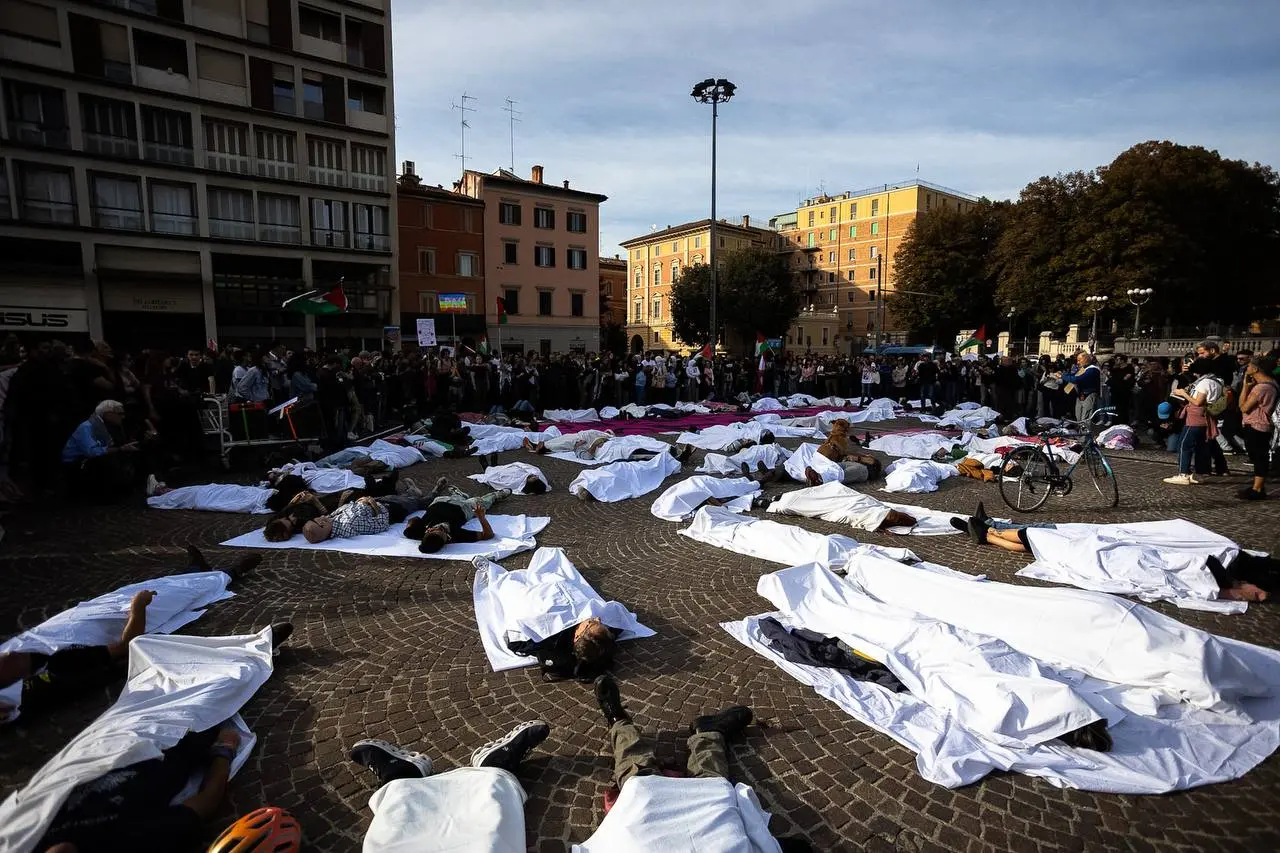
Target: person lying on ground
587,442
52,680
416,810
1247,578
307,505
446,426
581,652
449,510
364,517
130,807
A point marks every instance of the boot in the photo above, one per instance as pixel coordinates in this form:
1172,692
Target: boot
730,722
610,700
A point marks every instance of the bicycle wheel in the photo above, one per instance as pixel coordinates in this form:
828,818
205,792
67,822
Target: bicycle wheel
1104,479
1025,479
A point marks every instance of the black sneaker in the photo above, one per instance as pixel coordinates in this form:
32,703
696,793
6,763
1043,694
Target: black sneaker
280,633
980,512
730,722
977,531
509,750
610,700
959,523
389,762
243,567
196,560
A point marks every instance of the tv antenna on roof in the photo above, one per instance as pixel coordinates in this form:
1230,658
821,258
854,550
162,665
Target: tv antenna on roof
512,118
463,108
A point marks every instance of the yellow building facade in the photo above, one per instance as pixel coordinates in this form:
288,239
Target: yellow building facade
841,250
655,261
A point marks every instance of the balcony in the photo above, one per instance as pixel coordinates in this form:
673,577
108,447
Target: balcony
110,146
327,177
164,79
39,210
373,242
231,229
280,170
31,133
174,155
271,233
173,223
236,164
118,218
373,183
329,238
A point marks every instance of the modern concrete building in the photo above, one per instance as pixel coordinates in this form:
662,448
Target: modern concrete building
541,255
654,262
441,252
841,249
172,170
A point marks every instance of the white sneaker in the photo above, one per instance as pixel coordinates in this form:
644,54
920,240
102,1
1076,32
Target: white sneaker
1182,480
153,485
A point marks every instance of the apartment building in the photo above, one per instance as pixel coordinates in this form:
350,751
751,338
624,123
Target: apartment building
541,245
613,290
654,262
441,252
172,170
841,249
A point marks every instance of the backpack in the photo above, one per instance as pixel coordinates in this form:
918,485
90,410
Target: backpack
1220,405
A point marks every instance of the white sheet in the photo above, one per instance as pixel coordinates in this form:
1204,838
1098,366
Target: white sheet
619,481
1000,445
968,418
621,448
771,455
512,534
539,602
767,404
511,476
680,499
1099,635
216,497
720,436
1153,560
572,416
323,481
392,455
807,456
917,445
427,446
778,543
467,808
176,685
180,600
839,504
916,475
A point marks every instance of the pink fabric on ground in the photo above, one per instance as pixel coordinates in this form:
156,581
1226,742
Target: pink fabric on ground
655,426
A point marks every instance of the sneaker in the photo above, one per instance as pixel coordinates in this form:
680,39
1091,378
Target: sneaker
584,495
154,486
410,486
730,722
609,700
389,762
196,560
280,633
980,512
480,562
1250,494
243,567
509,750
977,530
1181,480
438,489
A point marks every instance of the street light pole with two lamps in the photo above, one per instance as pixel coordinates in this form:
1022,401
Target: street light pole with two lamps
1097,303
713,92
1138,296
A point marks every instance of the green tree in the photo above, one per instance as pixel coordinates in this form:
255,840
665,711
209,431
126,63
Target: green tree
945,260
754,295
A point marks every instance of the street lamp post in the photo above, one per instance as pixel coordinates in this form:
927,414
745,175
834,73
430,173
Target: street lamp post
1098,303
713,92
1009,318
1138,296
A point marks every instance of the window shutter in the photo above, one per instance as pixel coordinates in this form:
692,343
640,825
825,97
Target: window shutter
335,106
280,23
375,52
86,45
261,80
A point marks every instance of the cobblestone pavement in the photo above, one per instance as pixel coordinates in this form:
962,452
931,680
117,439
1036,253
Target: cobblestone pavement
388,648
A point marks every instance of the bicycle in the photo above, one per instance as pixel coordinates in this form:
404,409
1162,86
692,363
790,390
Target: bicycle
1030,474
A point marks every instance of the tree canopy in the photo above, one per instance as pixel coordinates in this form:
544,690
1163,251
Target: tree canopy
754,296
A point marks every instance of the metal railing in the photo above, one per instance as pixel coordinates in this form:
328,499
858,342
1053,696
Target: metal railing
329,237
38,210
237,164
365,181
38,134
281,170
273,233
373,242
231,229
327,177
110,146
160,152
173,223
119,218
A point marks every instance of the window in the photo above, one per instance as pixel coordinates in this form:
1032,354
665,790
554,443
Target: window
325,159
45,194
824,336
577,259
282,94
853,210
328,223
511,300
312,95
544,256
226,146
109,127
4,192
318,24
257,21
279,218
697,242
875,207
277,154
639,277
371,227
427,261
220,66
875,228
508,213
575,304
369,168
544,303
365,46
871,273
675,246
30,21
544,218
117,202
675,271
811,215
657,309
928,200
850,275
721,242
173,208
871,294
511,253
162,53
657,250
832,235
576,222
874,252
853,254
635,311
812,239
831,257
37,114
657,273
851,292
853,231
166,137
468,265
230,213
366,98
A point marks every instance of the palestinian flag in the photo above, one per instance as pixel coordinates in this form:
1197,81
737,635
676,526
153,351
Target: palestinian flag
761,344
502,311
318,302
978,340
706,351
483,345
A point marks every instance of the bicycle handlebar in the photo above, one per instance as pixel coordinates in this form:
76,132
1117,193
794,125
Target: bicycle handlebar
1092,419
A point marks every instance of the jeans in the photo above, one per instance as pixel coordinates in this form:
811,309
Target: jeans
868,391
633,754
400,507
926,391
995,524
465,502
341,459
1192,445
640,395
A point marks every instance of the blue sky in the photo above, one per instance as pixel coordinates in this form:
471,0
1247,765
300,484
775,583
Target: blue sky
832,94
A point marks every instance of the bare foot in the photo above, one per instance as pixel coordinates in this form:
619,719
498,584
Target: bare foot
811,476
1243,591
228,736
897,519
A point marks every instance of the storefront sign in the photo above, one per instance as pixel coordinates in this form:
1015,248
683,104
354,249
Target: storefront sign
426,332
452,303
43,319
152,300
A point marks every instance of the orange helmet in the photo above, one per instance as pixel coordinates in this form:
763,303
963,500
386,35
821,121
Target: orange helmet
266,830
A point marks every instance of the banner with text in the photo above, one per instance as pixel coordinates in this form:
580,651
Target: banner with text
426,332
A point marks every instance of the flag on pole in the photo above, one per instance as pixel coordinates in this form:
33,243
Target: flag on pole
318,302
706,351
502,311
761,344
978,340
483,345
